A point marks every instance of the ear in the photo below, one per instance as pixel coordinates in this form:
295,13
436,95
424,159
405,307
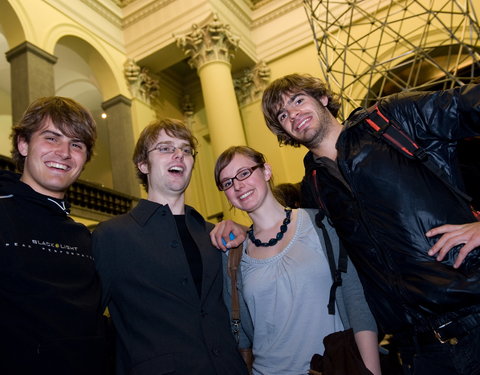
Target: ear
267,171
324,100
22,146
143,167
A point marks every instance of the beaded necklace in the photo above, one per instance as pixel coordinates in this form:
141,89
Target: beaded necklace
278,237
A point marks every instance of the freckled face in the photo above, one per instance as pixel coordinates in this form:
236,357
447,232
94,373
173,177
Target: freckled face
250,193
53,161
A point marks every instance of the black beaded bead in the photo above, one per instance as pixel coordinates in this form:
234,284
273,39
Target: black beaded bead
278,237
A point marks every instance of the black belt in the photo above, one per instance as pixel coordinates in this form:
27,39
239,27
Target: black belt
449,332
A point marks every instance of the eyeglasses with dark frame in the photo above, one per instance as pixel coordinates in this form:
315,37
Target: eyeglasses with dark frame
170,149
240,176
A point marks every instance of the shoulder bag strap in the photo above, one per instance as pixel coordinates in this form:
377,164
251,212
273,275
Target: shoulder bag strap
234,256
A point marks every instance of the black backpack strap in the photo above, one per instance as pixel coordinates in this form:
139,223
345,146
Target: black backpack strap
386,129
336,271
316,192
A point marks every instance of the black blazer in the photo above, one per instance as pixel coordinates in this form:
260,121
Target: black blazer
163,327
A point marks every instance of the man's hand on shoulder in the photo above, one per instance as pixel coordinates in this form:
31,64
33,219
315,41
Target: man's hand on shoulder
222,230
453,235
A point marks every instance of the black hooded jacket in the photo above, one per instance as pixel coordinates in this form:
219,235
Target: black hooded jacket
382,204
49,291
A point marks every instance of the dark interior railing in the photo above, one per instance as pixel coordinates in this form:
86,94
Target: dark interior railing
89,196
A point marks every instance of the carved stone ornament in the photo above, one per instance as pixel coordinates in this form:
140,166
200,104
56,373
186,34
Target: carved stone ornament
187,106
211,42
251,83
140,83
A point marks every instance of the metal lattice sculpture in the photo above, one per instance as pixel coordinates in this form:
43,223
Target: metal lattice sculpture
369,49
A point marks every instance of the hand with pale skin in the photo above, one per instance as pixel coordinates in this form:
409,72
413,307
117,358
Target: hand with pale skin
453,235
223,230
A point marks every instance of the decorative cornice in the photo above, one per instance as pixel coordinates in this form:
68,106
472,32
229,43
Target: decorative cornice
116,100
145,11
239,12
260,3
278,12
141,13
29,47
122,3
251,3
106,13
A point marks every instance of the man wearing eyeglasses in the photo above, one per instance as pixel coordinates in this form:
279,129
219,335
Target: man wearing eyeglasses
161,280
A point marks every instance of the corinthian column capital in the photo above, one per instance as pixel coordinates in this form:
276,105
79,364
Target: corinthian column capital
211,42
250,83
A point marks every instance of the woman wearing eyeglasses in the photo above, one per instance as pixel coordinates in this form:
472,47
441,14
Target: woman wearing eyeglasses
285,278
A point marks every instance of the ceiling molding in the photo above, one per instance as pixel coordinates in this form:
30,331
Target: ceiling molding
260,3
233,6
122,3
276,13
104,11
145,11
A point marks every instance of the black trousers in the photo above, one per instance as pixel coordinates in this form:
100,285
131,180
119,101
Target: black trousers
460,357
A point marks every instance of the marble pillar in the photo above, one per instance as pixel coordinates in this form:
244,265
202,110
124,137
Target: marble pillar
210,48
122,143
31,72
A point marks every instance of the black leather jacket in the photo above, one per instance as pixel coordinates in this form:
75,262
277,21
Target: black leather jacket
382,204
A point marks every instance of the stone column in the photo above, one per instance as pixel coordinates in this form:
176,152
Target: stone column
121,141
31,72
210,48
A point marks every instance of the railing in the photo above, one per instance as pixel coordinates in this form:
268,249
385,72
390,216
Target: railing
89,197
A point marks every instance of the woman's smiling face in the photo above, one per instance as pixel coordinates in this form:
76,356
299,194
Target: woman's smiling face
249,193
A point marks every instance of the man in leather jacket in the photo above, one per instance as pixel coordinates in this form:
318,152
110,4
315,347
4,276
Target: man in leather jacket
414,241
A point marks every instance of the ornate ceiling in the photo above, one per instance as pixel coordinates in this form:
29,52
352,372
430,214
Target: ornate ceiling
252,3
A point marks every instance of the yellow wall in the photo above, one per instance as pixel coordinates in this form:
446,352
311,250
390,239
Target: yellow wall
287,161
5,124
